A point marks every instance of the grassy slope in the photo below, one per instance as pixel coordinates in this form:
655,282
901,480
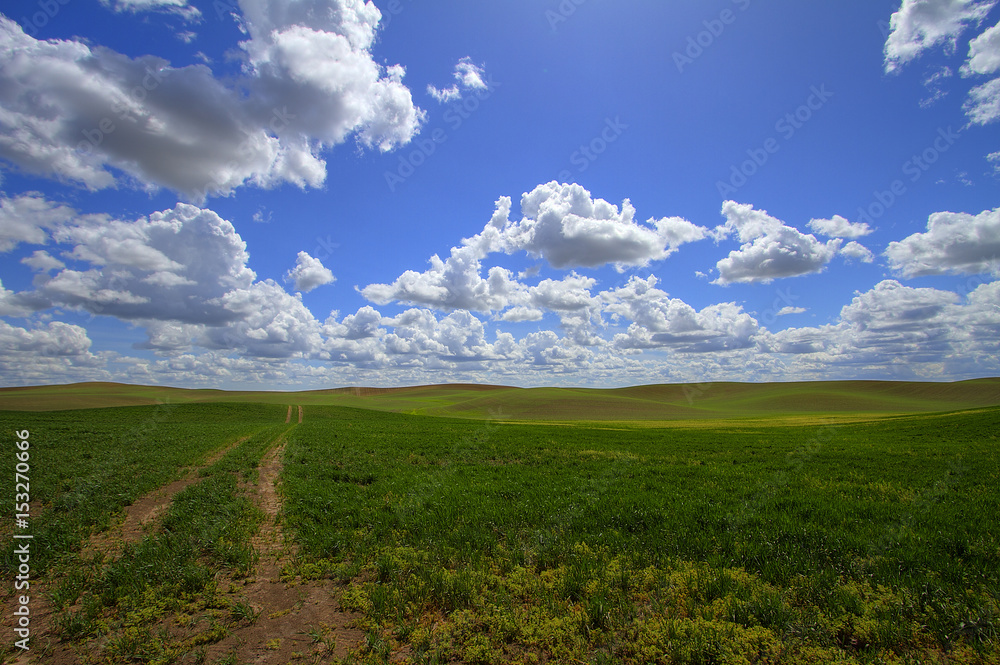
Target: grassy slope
729,400
97,395
638,403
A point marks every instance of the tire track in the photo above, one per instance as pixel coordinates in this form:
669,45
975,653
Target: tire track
287,609
142,513
132,524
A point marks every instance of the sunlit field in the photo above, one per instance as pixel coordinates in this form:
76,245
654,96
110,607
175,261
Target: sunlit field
780,538
489,542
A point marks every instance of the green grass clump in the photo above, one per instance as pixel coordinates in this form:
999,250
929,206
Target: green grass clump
519,543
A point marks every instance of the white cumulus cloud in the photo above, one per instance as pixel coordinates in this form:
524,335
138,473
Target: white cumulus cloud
994,159
919,25
560,223
522,313
42,261
268,323
857,251
571,299
563,224
314,58
181,274
455,283
953,243
27,219
895,330
984,53
661,322
839,227
983,104
468,76
179,7
100,118
11,304
458,337
309,273
172,265
770,249
54,339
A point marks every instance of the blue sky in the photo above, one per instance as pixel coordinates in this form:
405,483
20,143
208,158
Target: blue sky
244,193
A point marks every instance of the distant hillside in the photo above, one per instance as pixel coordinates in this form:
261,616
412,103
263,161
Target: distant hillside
726,400
638,403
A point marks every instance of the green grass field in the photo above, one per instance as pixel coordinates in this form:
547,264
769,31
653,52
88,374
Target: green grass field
787,523
516,543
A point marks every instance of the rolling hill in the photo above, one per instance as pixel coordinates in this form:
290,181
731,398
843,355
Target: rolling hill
650,403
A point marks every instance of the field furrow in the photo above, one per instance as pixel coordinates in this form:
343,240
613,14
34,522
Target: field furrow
80,583
140,516
291,615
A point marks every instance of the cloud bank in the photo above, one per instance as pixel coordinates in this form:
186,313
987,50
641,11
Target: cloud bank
102,119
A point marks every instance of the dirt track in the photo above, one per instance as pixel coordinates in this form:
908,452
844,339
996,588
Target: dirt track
287,610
